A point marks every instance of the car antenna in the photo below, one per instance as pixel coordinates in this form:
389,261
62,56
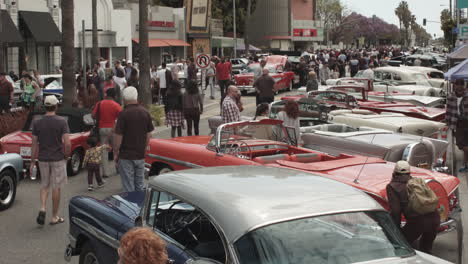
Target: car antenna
356,180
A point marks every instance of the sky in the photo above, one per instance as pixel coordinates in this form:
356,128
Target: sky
385,9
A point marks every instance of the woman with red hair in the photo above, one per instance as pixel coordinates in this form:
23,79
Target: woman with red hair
290,117
141,245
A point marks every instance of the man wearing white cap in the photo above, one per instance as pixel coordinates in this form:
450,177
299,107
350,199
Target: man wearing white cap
51,144
423,226
132,134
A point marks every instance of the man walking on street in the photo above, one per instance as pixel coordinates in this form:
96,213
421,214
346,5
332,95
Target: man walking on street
265,86
132,135
108,112
456,118
51,143
192,71
6,93
223,74
230,109
161,78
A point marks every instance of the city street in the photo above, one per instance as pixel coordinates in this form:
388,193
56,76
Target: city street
22,241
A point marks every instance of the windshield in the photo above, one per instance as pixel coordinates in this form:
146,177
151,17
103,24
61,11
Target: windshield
337,238
230,136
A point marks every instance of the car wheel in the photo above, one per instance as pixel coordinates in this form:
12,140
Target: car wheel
74,163
7,189
244,92
88,255
163,169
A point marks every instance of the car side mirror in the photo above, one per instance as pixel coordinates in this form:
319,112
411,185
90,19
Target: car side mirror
88,120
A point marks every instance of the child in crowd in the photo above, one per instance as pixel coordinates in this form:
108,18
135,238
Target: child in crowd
92,161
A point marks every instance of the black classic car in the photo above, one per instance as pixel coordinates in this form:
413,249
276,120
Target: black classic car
235,215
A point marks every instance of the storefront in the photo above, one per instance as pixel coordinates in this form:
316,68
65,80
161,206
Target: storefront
166,34
37,22
10,37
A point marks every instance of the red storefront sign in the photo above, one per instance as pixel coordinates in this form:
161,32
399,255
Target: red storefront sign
301,32
166,24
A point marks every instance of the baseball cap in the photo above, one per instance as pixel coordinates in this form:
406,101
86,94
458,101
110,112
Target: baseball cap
51,100
402,166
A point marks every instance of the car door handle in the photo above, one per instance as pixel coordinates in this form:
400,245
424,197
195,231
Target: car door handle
170,261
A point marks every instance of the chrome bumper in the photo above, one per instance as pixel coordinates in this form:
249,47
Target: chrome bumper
452,221
247,88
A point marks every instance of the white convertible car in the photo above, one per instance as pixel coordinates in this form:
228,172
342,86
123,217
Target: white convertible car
389,121
398,79
338,138
435,77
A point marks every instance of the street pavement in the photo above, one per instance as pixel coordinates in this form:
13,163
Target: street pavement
22,241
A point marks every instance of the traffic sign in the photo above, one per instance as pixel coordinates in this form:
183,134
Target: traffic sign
203,61
463,31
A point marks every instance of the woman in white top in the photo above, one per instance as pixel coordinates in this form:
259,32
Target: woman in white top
290,117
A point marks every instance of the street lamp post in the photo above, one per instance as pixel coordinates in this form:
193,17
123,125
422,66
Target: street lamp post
234,27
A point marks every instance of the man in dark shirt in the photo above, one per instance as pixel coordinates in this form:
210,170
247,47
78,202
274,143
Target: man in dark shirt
417,226
192,71
6,93
132,134
51,143
265,86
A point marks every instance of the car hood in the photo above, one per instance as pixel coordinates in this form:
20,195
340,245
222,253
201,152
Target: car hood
127,204
18,137
361,172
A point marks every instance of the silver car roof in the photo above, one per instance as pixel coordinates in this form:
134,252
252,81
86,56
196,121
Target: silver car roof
242,198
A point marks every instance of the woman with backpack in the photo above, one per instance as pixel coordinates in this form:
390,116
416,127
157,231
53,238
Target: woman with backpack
193,107
422,219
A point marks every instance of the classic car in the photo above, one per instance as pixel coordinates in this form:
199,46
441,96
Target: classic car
275,64
268,143
427,60
239,65
398,79
389,121
181,73
262,213
338,138
343,96
311,111
435,77
79,123
387,105
11,173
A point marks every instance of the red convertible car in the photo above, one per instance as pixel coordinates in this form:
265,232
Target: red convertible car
269,143
343,97
20,141
275,64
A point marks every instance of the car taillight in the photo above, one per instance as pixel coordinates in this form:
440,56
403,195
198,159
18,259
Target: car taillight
453,201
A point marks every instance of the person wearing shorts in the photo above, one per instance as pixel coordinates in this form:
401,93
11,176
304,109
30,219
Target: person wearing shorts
51,146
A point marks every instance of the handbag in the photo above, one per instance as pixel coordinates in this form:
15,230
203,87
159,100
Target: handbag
95,130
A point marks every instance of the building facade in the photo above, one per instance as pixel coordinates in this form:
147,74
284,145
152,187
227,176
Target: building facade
114,30
166,33
38,23
285,25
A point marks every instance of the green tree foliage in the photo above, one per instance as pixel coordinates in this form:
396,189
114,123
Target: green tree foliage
331,12
448,23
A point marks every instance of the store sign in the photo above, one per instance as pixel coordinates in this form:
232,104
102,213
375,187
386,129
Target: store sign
302,32
199,14
164,24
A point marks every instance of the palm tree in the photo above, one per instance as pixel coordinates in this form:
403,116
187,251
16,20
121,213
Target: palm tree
95,50
145,89
68,52
246,25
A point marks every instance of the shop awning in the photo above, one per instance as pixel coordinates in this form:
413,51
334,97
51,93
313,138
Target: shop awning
9,33
42,27
176,42
152,43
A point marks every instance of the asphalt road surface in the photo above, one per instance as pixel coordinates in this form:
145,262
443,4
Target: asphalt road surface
22,241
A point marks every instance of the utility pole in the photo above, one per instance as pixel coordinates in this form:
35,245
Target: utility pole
83,52
450,4
2,53
234,22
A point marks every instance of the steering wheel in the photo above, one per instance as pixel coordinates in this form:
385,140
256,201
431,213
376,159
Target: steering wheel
180,223
236,150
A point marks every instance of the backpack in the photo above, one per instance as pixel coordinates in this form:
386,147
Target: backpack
421,199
